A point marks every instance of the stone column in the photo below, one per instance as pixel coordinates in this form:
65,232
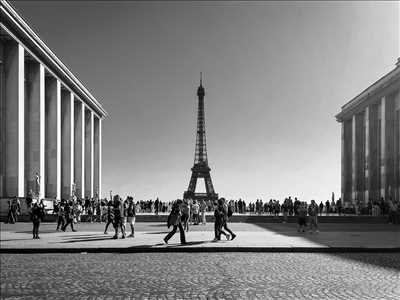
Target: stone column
91,154
32,125
58,196
96,154
72,141
100,156
367,164
42,132
67,149
2,123
53,137
14,120
382,160
343,170
353,159
88,153
83,148
79,148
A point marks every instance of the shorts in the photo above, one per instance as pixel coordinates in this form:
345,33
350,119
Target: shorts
131,220
124,219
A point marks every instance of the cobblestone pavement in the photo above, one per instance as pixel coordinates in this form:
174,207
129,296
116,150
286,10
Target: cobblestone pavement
201,276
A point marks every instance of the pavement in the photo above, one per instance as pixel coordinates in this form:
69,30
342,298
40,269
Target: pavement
255,237
200,276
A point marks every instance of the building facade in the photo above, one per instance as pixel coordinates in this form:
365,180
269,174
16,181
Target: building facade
50,124
371,142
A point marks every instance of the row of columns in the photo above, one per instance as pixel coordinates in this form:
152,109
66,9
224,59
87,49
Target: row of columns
371,152
50,139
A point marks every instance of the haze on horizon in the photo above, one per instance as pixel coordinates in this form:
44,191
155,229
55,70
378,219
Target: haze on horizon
275,75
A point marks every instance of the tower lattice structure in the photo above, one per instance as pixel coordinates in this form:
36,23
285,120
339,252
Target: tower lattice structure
200,167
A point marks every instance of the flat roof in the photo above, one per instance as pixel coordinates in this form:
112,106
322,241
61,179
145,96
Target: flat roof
381,83
14,23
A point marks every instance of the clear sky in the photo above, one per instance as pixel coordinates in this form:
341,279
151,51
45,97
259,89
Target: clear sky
275,75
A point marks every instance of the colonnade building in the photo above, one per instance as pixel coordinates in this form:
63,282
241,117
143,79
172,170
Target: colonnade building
50,124
371,142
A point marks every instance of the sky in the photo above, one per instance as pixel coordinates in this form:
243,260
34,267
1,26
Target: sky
275,76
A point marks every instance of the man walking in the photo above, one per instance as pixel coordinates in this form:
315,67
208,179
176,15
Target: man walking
131,215
313,213
174,219
69,214
227,215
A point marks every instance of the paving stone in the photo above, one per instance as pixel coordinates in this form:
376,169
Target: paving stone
201,276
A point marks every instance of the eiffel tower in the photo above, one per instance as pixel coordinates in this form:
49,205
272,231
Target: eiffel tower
200,168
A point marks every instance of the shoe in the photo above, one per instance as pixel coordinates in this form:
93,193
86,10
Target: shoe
228,237
123,236
115,237
105,232
165,241
74,230
38,237
57,229
131,235
233,237
215,240
183,243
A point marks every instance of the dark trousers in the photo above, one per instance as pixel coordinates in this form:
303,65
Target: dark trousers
227,229
11,217
108,224
69,221
173,231
60,222
35,230
218,230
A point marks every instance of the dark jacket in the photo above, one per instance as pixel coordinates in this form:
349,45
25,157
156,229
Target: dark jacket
37,214
174,217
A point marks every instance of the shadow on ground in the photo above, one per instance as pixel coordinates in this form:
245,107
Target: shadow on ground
290,230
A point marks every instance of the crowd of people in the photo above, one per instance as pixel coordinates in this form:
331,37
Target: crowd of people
119,213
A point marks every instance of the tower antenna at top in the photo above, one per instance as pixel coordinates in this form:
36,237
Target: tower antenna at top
201,78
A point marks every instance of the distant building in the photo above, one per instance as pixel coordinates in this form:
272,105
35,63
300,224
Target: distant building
50,124
371,142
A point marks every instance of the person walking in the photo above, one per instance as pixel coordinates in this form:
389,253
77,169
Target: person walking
313,214
118,216
61,215
36,216
203,207
174,219
110,216
219,216
69,215
302,217
196,211
131,214
185,214
10,215
227,214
